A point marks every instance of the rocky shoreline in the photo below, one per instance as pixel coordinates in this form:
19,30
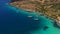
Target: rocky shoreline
51,10
56,24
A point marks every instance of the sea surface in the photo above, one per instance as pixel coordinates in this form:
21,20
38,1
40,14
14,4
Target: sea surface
16,21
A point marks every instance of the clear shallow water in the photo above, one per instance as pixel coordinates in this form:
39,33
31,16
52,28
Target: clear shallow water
15,21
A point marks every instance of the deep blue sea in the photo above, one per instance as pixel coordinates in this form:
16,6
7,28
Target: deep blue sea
15,21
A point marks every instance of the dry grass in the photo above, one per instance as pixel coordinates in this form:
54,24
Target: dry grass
51,9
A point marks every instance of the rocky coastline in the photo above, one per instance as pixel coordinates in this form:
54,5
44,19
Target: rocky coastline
47,8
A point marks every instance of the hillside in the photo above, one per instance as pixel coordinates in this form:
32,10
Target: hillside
50,8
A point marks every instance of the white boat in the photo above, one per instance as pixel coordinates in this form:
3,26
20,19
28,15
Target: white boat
29,16
36,19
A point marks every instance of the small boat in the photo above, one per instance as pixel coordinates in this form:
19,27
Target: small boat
36,19
29,16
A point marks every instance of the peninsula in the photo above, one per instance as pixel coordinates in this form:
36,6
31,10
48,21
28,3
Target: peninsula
50,8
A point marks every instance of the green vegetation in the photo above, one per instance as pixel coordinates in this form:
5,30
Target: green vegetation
51,10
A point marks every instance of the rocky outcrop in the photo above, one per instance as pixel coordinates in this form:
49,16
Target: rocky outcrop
57,24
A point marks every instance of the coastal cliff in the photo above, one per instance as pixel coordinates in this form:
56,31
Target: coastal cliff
50,8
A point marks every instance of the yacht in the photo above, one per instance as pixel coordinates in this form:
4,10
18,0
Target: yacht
36,19
29,16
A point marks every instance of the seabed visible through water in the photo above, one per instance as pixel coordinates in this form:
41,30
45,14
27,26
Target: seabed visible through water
48,22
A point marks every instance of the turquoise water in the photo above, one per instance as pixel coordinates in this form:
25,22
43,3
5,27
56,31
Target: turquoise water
15,21
45,22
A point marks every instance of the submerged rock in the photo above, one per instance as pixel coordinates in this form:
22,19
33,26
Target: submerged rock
45,28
